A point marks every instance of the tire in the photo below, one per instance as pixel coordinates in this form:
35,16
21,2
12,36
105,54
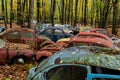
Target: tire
19,60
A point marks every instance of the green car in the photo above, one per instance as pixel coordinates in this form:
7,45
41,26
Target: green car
79,63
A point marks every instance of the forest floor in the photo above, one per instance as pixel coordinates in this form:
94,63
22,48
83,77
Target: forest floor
20,72
15,72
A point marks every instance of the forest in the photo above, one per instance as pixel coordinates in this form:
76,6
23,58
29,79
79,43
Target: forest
98,13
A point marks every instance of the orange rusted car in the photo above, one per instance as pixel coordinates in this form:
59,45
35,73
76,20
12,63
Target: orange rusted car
15,53
48,50
26,36
91,39
113,37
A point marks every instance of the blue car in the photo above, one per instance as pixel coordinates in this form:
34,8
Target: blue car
79,63
55,33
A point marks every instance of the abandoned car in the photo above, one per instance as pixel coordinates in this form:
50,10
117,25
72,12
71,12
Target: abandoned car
79,63
115,38
26,36
15,53
48,50
92,39
55,33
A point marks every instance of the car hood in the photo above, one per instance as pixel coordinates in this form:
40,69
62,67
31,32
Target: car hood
94,56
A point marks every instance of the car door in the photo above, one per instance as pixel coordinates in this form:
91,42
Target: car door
13,36
29,38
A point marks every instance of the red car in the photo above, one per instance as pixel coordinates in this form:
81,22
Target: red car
48,50
115,38
26,36
91,39
15,53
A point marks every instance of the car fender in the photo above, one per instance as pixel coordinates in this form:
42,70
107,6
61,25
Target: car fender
39,54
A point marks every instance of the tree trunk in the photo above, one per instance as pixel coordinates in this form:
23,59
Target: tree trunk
68,19
31,14
76,10
115,17
19,12
6,14
11,13
38,11
85,13
71,12
3,12
63,6
53,7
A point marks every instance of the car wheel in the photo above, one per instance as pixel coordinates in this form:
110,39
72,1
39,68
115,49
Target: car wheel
19,60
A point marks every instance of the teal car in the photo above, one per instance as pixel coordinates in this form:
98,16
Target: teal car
79,63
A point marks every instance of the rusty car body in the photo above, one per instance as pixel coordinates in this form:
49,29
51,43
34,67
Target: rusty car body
91,39
79,63
115,38
48,50
26,36
13,53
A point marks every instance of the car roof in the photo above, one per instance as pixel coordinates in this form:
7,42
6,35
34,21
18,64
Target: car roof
53,28
94,56
18,29
93,40
93,34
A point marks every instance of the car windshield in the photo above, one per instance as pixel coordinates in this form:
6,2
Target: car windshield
67,72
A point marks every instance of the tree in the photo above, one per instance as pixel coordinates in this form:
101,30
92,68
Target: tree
76,10
115,16
11,13
53,7
3,12
62,11
104,13
31,14
38,11
85,13
6,12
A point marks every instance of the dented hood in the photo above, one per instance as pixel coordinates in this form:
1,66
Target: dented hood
94,56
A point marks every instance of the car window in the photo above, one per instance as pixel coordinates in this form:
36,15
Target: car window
13,35
67,73
27,35
58,32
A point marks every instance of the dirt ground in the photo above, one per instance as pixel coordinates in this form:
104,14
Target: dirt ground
15,72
